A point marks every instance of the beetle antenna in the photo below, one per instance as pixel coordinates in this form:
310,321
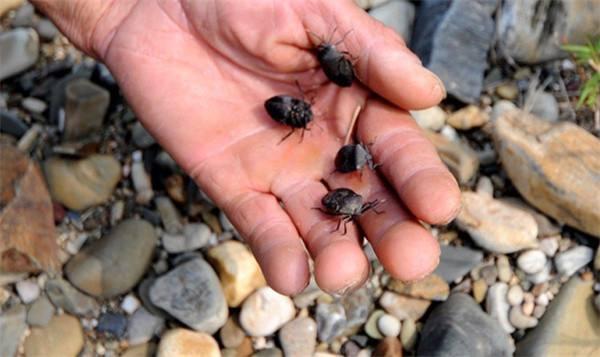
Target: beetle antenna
299,88
343,37
332,33
321,39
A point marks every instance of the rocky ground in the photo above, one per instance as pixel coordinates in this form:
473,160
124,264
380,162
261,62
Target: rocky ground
123,255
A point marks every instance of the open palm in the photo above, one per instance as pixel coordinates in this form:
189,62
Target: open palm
197,74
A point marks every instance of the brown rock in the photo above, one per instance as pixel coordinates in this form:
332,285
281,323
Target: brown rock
143,350
231,333
495,225
388,347
479,290
7,5
79,184
180,342
403,307
175,189
27,236
554,166
431,287
62,337
460,158
468,117
238,271
245,348
545,227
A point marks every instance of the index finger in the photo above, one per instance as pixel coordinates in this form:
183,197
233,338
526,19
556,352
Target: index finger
384,63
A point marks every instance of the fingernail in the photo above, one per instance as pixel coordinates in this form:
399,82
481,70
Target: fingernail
439,87
352,286
426,274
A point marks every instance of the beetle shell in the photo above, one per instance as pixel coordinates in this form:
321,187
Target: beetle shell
352,157
342,202
336,65
289,110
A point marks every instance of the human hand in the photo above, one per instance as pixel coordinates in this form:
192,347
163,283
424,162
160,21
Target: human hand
197,74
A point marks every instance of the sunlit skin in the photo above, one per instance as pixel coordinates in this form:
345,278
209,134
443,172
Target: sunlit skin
197,74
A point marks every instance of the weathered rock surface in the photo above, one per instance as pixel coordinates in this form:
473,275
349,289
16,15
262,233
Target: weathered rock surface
85,107
7,5
65,296
142,326
299,337
459,157
113,264
397,14
568,262
458,327
403,307
432,118
452,39
455,262
467,118
27,235
63,337
192,294
265,311
238,271
497,305
194,236
554,166
185,343
19,50
12,327
432,287
496,226
331,321
79,184
533,31
570,326
40,312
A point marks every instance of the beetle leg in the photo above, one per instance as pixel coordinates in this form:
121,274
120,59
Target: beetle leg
337,228
286,136
321,209
302,134
347,219
371,205
373,165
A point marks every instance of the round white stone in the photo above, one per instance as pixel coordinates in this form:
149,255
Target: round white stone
265,311
532,261
130,303
28,291
389,325
515,295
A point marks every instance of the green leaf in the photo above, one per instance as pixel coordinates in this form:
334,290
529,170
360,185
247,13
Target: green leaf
590,92
581,53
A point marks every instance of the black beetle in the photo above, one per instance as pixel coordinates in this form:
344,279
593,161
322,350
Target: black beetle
290,111
336,64
346,203
354,157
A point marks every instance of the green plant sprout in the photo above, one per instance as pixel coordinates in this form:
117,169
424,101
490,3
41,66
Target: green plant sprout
589,95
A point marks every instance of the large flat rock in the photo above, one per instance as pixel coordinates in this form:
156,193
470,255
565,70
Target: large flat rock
570,326
556,167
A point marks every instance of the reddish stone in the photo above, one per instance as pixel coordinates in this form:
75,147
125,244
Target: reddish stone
27,235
